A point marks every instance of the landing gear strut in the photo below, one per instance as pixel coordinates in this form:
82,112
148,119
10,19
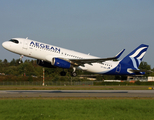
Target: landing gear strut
74,73
21,56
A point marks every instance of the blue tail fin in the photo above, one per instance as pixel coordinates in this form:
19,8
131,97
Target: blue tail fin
134,59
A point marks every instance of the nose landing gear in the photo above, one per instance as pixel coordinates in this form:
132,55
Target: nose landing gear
21,56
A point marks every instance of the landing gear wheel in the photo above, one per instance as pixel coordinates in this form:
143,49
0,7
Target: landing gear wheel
74,74
63,73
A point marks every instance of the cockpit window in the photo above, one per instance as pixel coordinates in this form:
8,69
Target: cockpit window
15,41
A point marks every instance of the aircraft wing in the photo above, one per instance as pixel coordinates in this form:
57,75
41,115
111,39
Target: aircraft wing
78,62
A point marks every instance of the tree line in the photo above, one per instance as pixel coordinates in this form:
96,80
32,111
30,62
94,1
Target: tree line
29,68
26,68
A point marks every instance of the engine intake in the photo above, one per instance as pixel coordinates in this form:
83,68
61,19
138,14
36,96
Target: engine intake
44,64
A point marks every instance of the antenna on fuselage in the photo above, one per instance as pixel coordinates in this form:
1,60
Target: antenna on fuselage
26,37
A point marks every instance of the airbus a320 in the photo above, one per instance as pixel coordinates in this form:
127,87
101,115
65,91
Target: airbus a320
52,56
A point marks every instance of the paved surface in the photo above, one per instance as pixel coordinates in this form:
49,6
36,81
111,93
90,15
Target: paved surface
76,93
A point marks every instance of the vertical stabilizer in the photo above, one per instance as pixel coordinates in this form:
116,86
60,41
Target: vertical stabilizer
134,59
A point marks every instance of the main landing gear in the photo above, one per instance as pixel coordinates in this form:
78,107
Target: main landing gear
73,74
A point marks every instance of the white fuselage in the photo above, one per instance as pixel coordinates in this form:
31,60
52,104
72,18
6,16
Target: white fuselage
46,52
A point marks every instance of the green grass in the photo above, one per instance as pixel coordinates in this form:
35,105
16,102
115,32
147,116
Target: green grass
85,87
76,109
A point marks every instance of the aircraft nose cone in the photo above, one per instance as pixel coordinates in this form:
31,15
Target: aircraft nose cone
4,44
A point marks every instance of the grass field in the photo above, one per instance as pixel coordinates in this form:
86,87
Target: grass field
29,87
76,109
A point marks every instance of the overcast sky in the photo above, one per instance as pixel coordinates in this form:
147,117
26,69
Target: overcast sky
99,27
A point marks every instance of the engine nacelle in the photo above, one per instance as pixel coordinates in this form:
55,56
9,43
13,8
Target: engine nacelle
44,64
61,63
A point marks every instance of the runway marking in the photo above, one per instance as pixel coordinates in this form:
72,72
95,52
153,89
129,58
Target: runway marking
67,91
75,93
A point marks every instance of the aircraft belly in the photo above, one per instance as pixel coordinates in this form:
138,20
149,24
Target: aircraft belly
96,68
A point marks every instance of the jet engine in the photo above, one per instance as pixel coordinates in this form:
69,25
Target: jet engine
61,63
44,64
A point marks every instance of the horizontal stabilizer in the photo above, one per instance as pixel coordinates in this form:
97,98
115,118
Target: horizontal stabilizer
135,71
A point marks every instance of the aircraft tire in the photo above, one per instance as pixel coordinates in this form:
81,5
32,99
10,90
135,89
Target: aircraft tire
63,73
74,74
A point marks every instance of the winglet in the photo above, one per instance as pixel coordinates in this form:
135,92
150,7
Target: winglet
119,54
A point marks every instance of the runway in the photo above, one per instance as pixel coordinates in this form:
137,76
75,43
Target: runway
77,93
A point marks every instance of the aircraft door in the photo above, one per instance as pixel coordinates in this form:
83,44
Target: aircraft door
118,68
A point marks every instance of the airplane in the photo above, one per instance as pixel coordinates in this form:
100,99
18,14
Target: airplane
52,56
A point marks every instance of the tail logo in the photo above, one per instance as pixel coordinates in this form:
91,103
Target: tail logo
137,56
